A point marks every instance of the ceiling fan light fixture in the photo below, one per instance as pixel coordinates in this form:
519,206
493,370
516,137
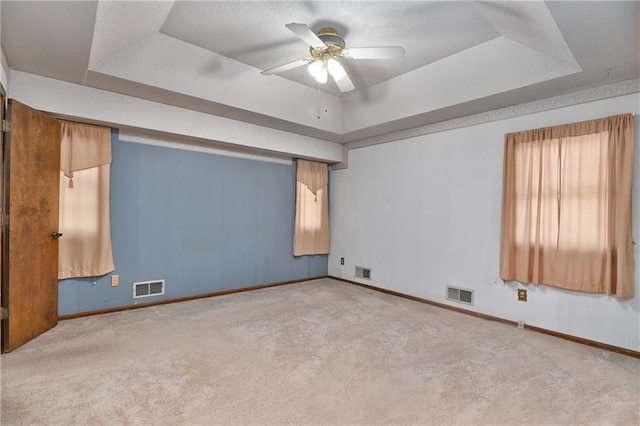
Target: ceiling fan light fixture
335,69
315,68
322,76
318,69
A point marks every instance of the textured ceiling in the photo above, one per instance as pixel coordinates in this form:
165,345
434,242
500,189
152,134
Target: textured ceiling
263,45
461,57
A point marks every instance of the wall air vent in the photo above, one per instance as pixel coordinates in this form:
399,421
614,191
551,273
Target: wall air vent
363,272
462,295
148,288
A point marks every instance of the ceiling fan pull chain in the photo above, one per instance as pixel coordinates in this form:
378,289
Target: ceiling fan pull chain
319,103
320,100
326,95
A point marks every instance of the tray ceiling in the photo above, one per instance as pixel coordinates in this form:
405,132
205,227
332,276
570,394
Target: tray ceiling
461,57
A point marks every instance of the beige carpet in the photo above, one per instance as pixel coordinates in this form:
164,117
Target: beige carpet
321,352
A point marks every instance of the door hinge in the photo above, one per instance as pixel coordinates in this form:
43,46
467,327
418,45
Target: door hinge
6,125
4,313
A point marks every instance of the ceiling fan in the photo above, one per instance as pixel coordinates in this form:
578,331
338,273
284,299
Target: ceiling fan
327,50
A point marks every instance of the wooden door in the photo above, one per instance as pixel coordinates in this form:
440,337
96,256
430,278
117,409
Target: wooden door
30,251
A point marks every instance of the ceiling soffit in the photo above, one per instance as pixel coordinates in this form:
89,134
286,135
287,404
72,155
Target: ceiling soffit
32,40
120,25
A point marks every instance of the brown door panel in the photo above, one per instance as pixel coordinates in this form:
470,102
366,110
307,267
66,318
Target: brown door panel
30,275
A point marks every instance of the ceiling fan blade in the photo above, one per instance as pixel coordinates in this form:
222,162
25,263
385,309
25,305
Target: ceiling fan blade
345,84
287,67
308,36
388,52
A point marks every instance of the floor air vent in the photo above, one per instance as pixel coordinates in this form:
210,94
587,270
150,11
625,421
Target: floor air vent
462,295
148,288
363,272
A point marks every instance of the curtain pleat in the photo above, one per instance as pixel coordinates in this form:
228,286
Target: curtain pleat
85,247
566,206
311,230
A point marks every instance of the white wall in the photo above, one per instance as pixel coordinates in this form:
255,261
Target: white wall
424,213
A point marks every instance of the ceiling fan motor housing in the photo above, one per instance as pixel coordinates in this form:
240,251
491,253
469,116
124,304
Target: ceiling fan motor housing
335,43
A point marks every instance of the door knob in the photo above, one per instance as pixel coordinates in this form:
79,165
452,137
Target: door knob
56,235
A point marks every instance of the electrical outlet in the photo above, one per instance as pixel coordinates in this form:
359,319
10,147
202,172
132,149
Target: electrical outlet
521,324
522,294
342,260
115,280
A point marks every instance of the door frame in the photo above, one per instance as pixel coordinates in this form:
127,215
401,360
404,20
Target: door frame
3,108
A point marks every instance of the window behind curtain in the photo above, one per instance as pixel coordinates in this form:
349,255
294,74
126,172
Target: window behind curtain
566,213
85,247
311,231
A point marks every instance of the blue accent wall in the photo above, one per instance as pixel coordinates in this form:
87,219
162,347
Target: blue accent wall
203,222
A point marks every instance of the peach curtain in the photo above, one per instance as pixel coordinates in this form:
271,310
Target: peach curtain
566,206
85,247
311,232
